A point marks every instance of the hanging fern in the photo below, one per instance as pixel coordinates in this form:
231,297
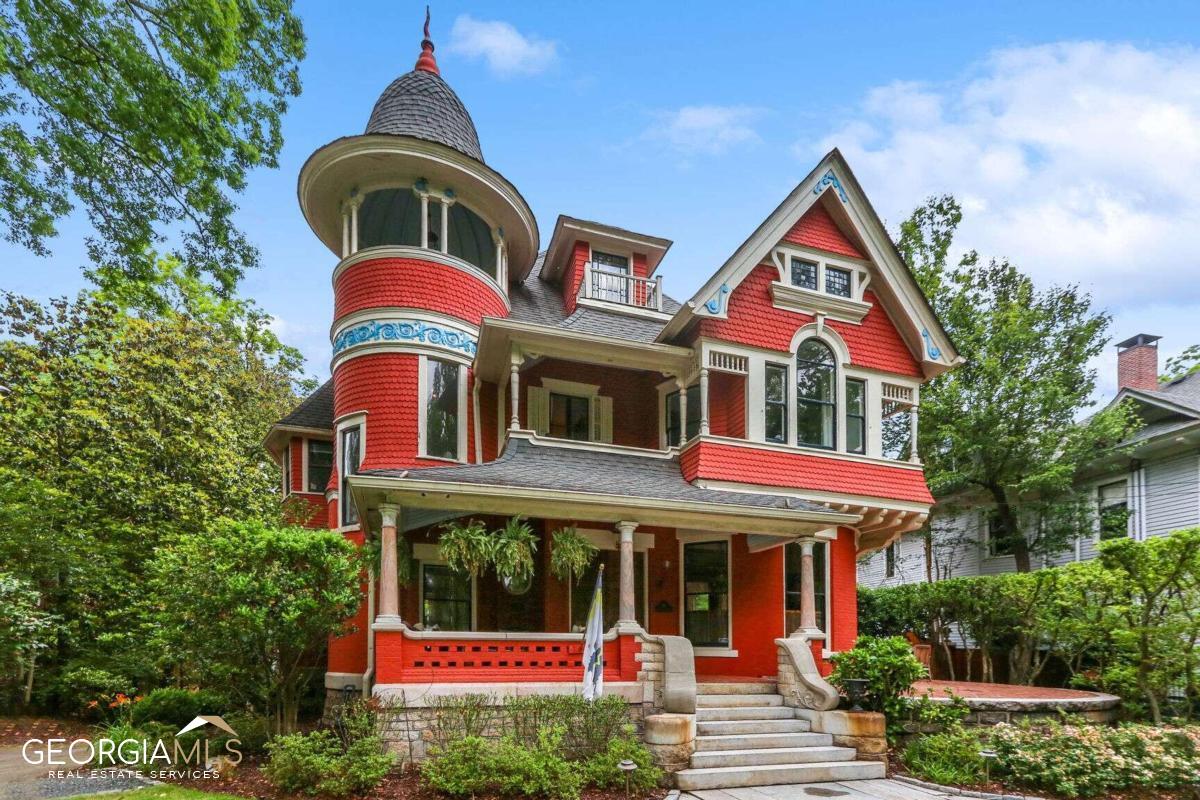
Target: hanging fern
405,566
467,548
515,545
571,555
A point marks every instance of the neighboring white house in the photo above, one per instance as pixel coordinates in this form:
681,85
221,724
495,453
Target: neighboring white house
1148,490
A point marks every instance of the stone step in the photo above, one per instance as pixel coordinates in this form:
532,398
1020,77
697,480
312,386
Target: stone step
751,741
744,712
776,774
770,755
738,727
757,687
732,700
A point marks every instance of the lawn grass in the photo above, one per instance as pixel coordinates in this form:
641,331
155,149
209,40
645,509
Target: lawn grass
164,791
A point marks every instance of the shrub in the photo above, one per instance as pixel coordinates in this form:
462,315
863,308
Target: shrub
253,732
89,690
950,757
924,711
889,667
318,763
601,770
460,768
177,707
474,765
588,726
1087,760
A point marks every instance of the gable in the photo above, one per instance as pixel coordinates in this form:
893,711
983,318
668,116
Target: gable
828,213
817,229
754,320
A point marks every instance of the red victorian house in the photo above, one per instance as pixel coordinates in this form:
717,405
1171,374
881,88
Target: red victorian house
731,455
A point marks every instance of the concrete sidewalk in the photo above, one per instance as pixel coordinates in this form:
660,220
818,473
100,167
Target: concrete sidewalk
848,790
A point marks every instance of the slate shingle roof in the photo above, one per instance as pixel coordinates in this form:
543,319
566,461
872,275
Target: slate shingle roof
1184,391
526,465
315,411
422,105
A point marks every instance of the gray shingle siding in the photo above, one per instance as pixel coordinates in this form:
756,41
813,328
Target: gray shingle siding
1171,495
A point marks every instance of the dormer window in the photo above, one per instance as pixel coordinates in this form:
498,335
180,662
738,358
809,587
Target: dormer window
610,277
804,274
837,281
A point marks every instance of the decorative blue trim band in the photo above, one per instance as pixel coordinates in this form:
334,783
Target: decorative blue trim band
933,350
829,179
717,301
410,331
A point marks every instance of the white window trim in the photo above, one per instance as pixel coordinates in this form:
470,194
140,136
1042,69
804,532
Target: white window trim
985,536
840,361
859,272
1124,479
587,391
423,406
686,538
351,420
429,554
304,467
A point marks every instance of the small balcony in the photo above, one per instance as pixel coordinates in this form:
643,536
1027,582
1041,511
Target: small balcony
602,284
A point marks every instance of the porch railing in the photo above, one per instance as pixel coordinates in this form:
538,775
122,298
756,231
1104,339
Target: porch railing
624,288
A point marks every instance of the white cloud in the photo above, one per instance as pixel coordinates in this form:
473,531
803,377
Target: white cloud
708,130
1079,161
506,50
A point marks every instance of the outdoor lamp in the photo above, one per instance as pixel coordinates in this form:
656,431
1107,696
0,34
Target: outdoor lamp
627,766
987,756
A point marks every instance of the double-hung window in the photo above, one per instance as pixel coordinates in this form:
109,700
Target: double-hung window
777,406
320,464
1114,510
351,458
287,468
570,417
445,598
1000,540
816,395
442,392
706,593
856,416
610,277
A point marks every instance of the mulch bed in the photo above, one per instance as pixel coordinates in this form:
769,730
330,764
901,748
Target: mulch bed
17,730
248,781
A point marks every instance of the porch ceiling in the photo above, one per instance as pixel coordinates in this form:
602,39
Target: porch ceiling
589,484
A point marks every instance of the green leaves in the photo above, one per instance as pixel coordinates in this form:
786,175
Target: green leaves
570,555
149,114
470,548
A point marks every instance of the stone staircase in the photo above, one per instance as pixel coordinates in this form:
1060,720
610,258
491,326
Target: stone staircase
746,736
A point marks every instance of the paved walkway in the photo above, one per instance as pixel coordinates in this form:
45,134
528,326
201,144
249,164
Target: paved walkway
22,781
847,790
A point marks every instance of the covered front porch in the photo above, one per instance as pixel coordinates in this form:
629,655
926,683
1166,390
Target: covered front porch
730,572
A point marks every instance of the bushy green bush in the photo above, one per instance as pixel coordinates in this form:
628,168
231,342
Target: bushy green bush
253,732
601,770
177,707
319,763
89,690
474,765
924,710
588,726
889,667
1091,760
460,768
950,757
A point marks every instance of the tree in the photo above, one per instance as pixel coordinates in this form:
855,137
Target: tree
250,607
120,428
148,114
1005,422
1182,365
25,630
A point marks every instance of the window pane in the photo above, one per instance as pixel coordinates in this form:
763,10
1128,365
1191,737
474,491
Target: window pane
445,598
693,411
815,371
287,469
804,274
320,464
837,281
672,414
856,392
390,217
792,558
814,424
897,435
570,417
609,281
776,384
471,239
1000,539
441,408
776,401
1114,511
351,448
856,419
706,593
435,224
581,592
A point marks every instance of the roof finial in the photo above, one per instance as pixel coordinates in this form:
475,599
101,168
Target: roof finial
426,61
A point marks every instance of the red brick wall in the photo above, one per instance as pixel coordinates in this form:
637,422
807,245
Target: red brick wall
1137,367
818,230
753,320
727,462
573,275
408,283
727,404
635,398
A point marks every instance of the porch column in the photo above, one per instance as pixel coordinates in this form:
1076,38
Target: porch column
514,390
626,606
704,401
913,455
682,411
389,582
808,600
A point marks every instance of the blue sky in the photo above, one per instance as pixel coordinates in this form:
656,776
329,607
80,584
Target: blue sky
1071,132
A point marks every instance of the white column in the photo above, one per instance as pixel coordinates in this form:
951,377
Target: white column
424,220
626,607
913,455
345,231
389,581
354,204
682,411
514,389
704,401
445,240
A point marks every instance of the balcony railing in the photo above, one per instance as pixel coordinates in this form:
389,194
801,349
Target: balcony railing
623,288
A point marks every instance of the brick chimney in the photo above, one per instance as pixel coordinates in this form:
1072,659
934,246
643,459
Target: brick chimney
1137,362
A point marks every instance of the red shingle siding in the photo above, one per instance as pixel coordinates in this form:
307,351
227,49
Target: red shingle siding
725,462
727,404
573,276
755,321
408,283
817,229
640,268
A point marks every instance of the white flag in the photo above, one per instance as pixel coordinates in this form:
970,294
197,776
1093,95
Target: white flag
593,644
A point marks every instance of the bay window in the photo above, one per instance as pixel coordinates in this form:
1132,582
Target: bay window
816,396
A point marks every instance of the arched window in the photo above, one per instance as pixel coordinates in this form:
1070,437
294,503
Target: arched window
816,395
390,217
